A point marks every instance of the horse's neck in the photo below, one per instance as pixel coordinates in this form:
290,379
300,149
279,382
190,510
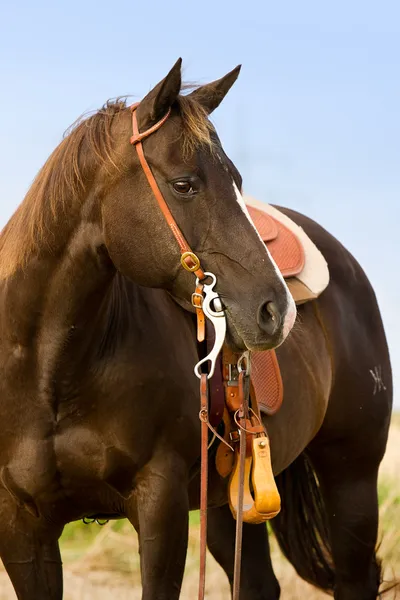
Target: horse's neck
56,312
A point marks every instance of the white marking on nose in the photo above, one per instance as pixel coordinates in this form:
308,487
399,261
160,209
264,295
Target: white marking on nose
291,311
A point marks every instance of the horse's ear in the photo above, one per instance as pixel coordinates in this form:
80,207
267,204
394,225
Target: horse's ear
157,102
211,95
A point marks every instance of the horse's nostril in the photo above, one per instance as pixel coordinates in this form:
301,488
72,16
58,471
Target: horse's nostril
269,318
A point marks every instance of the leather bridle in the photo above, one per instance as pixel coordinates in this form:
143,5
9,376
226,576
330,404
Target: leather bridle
189,260
203,300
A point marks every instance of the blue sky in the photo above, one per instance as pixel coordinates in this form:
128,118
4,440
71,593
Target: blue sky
312,123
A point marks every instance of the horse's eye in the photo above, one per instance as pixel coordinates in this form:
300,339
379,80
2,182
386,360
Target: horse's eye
183,187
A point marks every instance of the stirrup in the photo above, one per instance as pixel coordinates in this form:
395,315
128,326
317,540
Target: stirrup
266,503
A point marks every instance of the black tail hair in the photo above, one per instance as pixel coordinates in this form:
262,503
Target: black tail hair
301,527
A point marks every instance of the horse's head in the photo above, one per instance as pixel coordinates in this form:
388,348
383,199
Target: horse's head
201,187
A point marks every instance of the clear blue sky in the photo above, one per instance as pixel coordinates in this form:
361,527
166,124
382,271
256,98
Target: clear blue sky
313,122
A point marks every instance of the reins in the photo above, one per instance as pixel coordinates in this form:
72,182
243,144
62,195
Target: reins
207,303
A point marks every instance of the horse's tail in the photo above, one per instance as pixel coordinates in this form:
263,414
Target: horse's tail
301,527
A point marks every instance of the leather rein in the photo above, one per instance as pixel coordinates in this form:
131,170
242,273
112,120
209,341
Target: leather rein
207,304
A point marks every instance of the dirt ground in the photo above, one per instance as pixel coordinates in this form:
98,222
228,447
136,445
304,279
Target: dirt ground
103,585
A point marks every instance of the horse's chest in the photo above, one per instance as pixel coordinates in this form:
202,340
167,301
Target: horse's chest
104,443
89,443
88,457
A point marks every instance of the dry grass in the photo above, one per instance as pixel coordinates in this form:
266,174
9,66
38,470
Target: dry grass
103,563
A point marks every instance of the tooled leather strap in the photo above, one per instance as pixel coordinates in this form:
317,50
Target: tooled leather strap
189,260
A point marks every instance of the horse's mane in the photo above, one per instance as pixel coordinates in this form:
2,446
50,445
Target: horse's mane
60,185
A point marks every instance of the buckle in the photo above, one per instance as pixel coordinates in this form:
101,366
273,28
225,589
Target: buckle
190,261
233,374
197,300
234,436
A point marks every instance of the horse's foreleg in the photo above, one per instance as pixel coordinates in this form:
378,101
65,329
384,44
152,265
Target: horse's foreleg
258,581
160,514
30,553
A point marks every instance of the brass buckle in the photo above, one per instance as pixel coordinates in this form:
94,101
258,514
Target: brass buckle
195,260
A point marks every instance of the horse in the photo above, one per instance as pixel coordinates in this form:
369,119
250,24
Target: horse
98,396
98,348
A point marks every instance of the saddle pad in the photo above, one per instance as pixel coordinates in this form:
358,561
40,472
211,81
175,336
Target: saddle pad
266,381
314,277
282,243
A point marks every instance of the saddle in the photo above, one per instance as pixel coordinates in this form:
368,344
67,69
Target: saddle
306,274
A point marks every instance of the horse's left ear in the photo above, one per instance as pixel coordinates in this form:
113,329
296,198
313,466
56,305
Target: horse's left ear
211,95
155,105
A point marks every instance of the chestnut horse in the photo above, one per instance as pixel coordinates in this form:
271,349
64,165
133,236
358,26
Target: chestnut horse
99,404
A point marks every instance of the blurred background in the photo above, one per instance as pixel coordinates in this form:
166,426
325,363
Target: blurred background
312,123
